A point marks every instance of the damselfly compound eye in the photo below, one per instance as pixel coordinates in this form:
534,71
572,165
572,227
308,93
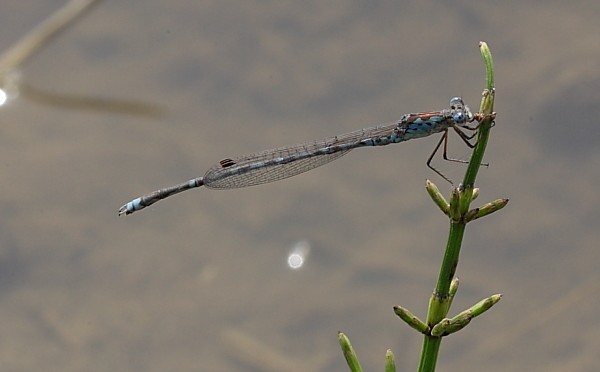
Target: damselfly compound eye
459,117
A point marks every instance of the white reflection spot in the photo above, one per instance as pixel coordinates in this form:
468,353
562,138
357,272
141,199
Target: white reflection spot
9,86
295,261
298,255
3,97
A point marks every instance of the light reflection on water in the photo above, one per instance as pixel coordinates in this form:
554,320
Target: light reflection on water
9,86
3,97
298,254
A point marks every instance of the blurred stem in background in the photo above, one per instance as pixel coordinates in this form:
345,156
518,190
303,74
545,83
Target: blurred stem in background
11,61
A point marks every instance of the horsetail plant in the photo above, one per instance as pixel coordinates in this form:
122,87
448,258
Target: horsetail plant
437,324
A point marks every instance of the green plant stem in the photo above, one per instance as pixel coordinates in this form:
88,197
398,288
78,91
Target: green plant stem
440,300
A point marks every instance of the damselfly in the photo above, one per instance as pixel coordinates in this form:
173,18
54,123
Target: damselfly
276,164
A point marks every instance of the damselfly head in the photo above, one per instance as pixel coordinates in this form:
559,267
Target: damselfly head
461,114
